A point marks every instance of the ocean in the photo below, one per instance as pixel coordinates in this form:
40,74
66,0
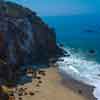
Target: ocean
79,34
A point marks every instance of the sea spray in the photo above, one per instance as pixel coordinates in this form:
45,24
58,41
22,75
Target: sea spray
81,69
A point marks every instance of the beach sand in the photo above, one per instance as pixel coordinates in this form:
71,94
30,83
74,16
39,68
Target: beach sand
49,88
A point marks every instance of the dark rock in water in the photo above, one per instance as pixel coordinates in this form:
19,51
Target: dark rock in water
99,75
66,52
92,51
61,60
89,30
68,55
24,39
61,45
53,60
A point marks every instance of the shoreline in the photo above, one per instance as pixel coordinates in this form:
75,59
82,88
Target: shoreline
51,88
78,86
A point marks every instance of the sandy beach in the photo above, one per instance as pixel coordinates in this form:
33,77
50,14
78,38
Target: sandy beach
49,88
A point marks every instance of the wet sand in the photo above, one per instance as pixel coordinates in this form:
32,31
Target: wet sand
48,87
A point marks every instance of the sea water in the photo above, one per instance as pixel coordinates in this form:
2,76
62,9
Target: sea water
72,32
79,34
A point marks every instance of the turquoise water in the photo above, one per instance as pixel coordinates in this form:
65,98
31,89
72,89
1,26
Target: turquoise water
72,32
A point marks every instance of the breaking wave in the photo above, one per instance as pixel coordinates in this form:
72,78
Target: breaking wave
80,68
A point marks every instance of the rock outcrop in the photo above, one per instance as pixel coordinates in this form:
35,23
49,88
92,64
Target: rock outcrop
24,37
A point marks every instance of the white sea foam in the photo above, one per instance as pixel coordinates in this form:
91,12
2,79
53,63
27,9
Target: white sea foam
81,69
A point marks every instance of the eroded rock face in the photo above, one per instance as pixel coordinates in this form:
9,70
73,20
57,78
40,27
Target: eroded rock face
24,37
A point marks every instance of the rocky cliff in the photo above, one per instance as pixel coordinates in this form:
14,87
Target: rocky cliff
24,37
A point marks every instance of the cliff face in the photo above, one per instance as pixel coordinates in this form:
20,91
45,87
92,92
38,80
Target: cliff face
24,37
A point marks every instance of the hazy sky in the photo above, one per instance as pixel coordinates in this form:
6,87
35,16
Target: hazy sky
62,7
